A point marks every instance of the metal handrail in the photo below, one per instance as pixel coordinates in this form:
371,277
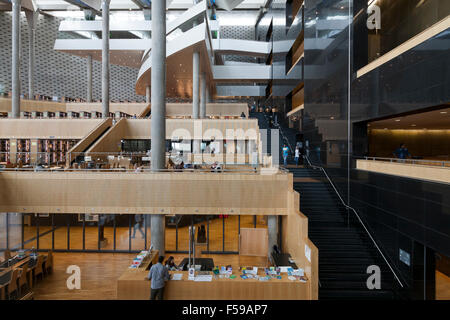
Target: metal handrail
442,163
357,215
281,131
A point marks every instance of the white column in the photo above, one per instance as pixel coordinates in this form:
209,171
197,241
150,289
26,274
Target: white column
147,94
202,95
15,72
195,84
158,102
32,17
105,58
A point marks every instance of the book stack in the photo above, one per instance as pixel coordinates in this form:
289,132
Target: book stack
138,260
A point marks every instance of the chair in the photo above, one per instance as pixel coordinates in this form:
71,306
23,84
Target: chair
49,263
7,254
38,270
12,286
23,281
2,291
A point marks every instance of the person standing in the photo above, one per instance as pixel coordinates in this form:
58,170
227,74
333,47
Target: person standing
138,225
402,152
158,276
285,154
297,155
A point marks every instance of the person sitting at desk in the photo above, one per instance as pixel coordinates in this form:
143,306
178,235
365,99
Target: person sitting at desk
216,167
158,275
137,168
170,264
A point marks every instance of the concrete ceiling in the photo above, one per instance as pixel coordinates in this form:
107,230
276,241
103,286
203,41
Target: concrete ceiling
431,120
130,58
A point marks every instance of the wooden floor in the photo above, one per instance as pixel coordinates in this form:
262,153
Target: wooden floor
100,271
99,274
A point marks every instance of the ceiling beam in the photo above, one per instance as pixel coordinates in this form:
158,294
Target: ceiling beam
138,3
26,4
86,4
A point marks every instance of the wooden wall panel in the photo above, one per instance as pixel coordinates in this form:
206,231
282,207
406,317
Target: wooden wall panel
131,108
431,144
294,239
431,173
148,193
212,109
90,137
32,105
110,141
253,242
217,128
47,128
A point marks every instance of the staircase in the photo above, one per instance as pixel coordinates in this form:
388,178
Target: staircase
286,135
345,250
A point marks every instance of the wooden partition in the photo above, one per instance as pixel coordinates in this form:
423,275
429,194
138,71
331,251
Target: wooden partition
32,105
132,286
139,109
212,109
82,145
146,193
46,128
295,241
110,141
407,170
197,128
131,108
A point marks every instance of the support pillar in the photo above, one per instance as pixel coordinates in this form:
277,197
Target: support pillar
158,102
195,84
157,231
105,58
203,95
272,227
32,17
147,94
208,95
15,72
89,79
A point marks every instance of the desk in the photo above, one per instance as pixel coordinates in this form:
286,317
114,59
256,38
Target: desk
135,287
18,263
206,263
5,279
14,262
282,260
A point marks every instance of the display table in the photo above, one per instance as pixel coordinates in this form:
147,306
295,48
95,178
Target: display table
134,286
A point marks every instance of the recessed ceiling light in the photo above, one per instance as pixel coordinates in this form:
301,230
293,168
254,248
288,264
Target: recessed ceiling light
397,120
443,112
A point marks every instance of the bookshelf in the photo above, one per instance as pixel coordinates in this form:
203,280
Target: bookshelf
53,151
4,150
23,151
